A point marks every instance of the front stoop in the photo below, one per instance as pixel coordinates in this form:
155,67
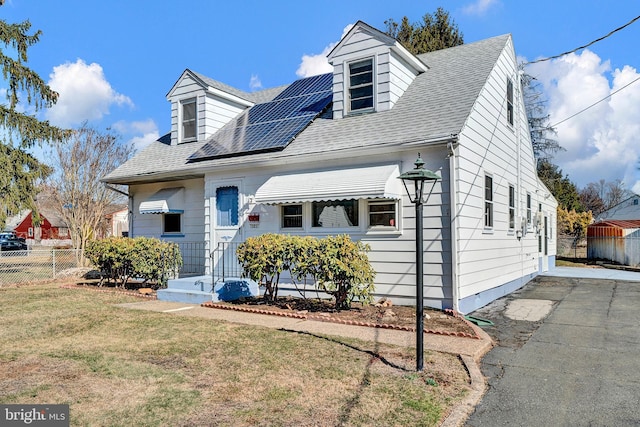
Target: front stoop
199,289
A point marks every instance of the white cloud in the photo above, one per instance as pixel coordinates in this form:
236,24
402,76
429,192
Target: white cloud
312,65
141,133
255,82
85,94
480,7
602,142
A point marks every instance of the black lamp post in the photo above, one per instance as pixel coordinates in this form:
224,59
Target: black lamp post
418,176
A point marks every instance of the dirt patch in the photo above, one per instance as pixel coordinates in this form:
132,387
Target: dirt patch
377,315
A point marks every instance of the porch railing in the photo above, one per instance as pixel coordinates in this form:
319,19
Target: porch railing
193,258
224,261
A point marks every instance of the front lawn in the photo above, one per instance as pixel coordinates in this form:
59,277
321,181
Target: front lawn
115,367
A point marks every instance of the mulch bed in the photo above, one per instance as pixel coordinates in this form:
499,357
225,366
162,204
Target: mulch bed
373,315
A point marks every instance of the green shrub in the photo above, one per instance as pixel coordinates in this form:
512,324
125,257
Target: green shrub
341,268
263,259
339,265
121,258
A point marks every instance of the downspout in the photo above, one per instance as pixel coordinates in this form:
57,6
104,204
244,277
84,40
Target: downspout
129,207
453,212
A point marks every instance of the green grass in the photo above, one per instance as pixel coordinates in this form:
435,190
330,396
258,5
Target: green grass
116,366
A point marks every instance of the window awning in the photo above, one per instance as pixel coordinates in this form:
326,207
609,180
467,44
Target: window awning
376,182
167,200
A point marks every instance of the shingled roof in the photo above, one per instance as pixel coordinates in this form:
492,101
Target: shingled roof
435,106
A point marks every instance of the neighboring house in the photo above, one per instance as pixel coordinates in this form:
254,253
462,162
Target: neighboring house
51,227
627,209
615,240
117,221
321,156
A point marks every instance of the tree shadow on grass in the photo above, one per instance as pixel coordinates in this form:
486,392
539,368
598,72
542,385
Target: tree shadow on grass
365,381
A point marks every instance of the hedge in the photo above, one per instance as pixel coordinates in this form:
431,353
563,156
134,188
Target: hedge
120,259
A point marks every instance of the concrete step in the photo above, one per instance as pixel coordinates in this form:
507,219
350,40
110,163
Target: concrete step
196,290
183,295
196,283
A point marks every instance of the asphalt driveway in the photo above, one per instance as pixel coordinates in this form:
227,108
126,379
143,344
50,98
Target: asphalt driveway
567,352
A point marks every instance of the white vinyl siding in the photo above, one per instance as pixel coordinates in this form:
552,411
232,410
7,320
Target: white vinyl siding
153,225
392,251
489,260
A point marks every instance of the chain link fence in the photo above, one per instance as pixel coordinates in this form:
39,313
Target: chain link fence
571,247
43,263
35,264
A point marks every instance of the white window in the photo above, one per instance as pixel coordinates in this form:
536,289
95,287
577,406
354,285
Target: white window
30,232
510,101
171,223
528,210
361,86
291,216
335,214
189,120
512,207
488,201
383,213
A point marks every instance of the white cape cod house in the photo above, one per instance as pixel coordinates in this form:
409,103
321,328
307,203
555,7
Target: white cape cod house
321,156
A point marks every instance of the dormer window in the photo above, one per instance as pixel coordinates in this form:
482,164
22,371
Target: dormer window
361,86
189,120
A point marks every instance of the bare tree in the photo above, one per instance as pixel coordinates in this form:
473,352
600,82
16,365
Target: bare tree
79,196
591,199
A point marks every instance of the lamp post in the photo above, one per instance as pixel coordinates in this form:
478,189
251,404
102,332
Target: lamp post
418,176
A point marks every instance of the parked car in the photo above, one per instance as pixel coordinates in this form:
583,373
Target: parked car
11,235
12,244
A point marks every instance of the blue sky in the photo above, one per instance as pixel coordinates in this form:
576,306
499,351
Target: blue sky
114,62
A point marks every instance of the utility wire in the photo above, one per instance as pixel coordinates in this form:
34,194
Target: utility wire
595,103
586,45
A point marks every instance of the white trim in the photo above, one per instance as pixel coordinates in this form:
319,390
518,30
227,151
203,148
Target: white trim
224,95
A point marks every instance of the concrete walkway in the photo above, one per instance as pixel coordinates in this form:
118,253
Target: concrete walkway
474,348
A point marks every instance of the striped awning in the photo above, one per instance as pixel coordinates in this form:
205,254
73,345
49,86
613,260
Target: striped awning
167,200
376,182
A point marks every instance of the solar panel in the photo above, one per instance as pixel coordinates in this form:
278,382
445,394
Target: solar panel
272,125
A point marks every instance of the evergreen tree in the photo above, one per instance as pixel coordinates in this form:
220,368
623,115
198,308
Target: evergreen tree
565,191
436,31
19,170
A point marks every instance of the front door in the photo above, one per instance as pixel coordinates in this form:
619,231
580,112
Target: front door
227,233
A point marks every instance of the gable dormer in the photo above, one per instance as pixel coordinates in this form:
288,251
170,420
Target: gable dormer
200,106
371,71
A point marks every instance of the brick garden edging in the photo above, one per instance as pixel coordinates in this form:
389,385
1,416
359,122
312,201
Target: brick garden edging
345,322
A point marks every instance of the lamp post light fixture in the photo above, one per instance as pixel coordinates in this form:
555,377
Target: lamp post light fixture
419,176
